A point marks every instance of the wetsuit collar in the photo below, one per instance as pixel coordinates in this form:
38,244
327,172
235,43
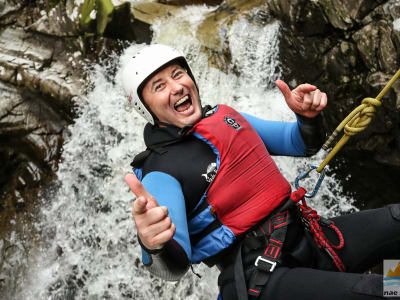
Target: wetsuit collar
156,135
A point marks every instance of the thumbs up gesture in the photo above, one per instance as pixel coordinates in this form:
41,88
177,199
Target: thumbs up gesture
153,224
305,99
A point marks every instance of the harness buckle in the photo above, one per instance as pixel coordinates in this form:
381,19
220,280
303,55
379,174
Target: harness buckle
272,263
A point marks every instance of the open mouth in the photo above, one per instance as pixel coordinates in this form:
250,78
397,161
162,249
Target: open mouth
183,104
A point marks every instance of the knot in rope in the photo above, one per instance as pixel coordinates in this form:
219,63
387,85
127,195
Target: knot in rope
361,116
355,122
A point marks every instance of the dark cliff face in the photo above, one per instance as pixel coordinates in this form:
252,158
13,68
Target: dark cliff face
350,49
39,80
44,52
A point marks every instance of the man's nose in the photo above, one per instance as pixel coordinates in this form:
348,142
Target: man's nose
176,87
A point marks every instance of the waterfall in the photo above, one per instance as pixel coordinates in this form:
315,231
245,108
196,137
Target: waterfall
89,248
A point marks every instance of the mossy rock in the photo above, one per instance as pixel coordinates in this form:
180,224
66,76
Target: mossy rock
150,12
103,10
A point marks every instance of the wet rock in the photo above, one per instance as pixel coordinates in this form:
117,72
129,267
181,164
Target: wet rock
303,15
374,41
61,21
345,14
7,8
191,2
30,148
348,55
149,12
212,31
40,64
11,265
31,139
352,55
341,60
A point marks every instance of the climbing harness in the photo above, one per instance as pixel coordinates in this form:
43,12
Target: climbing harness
354,123
272,232
270,236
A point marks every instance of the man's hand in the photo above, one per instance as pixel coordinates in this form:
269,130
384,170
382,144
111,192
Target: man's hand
305,100
153,224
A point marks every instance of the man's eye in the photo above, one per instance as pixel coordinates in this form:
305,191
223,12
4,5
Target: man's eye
158,87
178,74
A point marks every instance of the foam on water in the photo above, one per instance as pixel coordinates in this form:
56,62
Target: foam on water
396,24
90,250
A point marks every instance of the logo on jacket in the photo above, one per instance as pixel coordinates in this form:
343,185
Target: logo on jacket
211,172
232,122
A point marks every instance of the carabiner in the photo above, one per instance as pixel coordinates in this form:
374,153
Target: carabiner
317,185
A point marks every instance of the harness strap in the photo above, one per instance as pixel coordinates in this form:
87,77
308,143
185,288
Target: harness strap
271,234
275,232
238,273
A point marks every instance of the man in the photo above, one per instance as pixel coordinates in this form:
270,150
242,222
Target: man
207,189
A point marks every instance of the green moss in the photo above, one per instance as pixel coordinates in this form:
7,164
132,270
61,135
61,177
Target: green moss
86,22
104,10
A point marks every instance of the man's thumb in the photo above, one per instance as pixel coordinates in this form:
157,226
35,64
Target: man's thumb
139,206
287,93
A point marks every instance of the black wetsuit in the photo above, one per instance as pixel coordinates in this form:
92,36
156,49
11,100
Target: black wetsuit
306,271
370,236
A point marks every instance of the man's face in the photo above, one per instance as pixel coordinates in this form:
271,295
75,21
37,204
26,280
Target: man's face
173,97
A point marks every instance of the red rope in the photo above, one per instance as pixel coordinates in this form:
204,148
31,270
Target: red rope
314,222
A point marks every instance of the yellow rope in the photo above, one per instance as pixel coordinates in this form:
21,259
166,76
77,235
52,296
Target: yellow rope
355,122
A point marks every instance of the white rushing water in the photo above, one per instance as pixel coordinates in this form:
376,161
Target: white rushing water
90,249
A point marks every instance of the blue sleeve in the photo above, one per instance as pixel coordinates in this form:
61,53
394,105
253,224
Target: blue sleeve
280,138
168,192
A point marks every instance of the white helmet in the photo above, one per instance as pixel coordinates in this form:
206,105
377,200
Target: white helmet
145,63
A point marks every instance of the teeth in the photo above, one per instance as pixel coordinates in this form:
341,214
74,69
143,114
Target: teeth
181,101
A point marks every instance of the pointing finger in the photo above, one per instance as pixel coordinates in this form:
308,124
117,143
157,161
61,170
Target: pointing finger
136,186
